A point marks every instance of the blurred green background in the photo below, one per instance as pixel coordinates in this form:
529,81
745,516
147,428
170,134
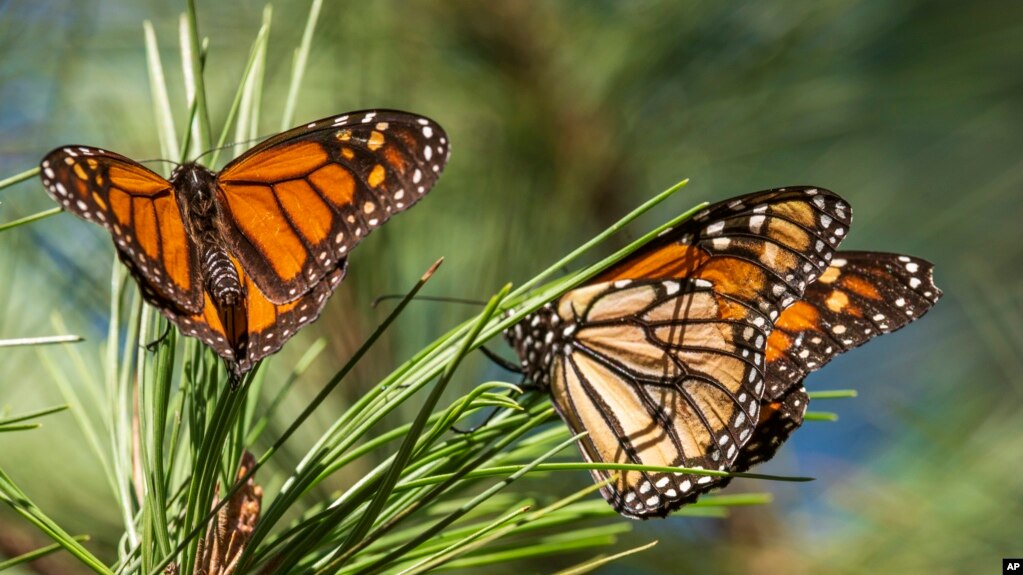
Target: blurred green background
562,117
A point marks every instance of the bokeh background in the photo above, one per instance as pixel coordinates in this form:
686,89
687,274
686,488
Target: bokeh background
563,116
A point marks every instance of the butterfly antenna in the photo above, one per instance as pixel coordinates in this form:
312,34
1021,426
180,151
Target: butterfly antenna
172,162
466,301
492,356
231,145
218,148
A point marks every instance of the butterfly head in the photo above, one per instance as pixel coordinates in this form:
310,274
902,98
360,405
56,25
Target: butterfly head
195,182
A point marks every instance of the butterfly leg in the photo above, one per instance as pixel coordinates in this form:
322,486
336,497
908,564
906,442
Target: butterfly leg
233,377
151,346
500,361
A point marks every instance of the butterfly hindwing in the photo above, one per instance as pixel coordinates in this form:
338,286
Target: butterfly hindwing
656,376
140,210
778,419
245,334
298,203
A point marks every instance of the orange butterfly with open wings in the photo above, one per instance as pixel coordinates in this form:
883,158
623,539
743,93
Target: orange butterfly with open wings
244,257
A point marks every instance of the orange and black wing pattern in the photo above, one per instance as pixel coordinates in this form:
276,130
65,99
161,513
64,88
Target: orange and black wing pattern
860,296
141,211
661,359
243,258
245,334
295,205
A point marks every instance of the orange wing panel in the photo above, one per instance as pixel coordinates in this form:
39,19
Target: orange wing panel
304,207
336,183
258,216
288,162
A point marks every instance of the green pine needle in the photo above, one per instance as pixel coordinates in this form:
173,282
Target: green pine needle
820,416
833,394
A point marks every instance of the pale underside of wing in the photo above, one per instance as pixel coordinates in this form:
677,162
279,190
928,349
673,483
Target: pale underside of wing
670,383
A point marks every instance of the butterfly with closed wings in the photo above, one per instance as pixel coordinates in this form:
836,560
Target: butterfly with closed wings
691,351
244,257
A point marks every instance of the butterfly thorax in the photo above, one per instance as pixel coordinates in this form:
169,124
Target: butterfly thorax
196,192
537,340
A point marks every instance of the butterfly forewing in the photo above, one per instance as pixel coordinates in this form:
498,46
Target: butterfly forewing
301,201
140,209
861,296
761,249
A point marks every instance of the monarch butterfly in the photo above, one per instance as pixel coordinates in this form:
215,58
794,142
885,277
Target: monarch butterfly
691,351
244,257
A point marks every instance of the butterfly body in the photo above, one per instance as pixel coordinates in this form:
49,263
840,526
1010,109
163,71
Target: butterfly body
244,257
195,188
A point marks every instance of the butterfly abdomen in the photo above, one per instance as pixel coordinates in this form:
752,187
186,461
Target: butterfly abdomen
196,187
222,281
